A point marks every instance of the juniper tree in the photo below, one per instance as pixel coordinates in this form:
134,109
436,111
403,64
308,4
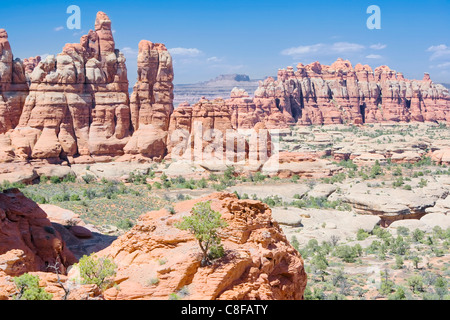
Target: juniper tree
204,224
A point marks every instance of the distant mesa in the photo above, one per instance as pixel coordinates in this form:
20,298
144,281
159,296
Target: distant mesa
220,86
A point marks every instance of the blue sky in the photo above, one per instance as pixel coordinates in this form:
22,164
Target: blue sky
212,37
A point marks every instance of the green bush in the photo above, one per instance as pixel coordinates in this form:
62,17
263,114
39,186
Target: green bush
55,179
97,271
362,234
28,288
346,253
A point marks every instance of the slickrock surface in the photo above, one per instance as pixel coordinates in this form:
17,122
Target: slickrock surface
156,259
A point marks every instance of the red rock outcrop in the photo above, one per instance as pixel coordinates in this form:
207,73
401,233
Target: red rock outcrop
155,259
75,107
26,230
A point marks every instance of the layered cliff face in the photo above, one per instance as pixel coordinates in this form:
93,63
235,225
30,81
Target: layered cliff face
75,106
78,103
259,262
339,93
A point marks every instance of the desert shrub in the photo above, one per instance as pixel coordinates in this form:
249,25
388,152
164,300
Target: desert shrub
416,284
321,203
386,285
398,262
375,170
295,243
28,288
170,208
399,294
97,271
362,234
273,201
71,177
75,197
314,294
202,183
349,164
403,231
346,253
55,179
417,235
125,224
398,182
88,178
399,246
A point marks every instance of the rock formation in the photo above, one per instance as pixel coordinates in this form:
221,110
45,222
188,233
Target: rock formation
26,230
151,101
75,108
154,258
13,86
259,262
339,93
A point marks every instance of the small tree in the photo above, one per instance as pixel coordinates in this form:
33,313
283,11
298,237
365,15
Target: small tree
95,270
28,288
204,224
320,263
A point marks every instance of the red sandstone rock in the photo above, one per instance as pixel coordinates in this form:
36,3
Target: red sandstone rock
78,102
319,94
259,262
13,86
24,226
151,101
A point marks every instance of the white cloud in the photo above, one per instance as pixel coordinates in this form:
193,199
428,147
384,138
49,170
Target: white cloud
439,51
346,47
302,50
129,52
58,28
373,56
441,65
214,59
323,49
444,65
190,52
378,46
